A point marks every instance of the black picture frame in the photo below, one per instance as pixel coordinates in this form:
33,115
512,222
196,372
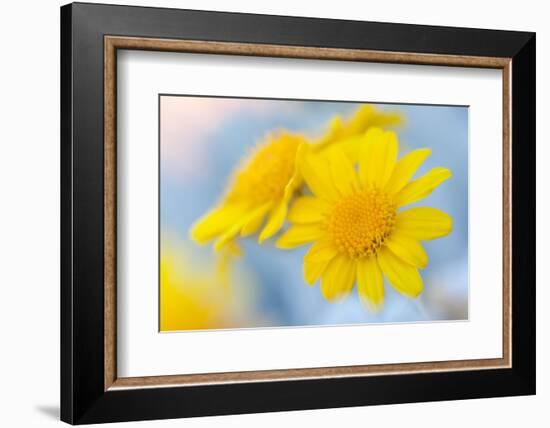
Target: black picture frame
83,396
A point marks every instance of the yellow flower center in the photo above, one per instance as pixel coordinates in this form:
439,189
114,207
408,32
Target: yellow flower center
359,224
265,173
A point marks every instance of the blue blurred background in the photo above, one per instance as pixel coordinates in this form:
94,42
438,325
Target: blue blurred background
203,139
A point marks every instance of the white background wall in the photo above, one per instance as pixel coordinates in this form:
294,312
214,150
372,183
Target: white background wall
29,213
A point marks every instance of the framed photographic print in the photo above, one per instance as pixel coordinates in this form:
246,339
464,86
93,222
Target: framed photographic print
264,213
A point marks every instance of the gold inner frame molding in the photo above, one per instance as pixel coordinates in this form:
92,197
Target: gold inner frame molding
113,43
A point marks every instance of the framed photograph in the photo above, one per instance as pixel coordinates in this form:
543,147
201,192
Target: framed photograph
265,213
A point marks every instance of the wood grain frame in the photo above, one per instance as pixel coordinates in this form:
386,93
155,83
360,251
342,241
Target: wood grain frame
114,43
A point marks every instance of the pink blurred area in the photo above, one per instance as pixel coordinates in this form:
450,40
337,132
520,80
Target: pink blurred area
186,123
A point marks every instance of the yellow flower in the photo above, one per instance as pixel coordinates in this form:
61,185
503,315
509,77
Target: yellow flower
353,219
263,185
348,134
198,297
184,295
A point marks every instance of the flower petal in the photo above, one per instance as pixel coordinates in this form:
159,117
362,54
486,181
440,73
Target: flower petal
317,259
338,278
228,235
333,132
342,171
377,158
405,168
216,222
241,224
307,209
407,249
422,187
351,146
360,121
255,219
370,283
424,223
274,222
315,171
299,234
348,134
296,179
402,276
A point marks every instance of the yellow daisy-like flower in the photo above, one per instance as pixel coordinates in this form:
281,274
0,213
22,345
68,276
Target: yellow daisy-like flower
263,185
354,220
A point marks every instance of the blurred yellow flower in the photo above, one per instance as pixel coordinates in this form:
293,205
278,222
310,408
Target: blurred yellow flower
348,134
263,185
194,298
353,221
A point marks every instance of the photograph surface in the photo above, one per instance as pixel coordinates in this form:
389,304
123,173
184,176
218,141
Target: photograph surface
286,213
